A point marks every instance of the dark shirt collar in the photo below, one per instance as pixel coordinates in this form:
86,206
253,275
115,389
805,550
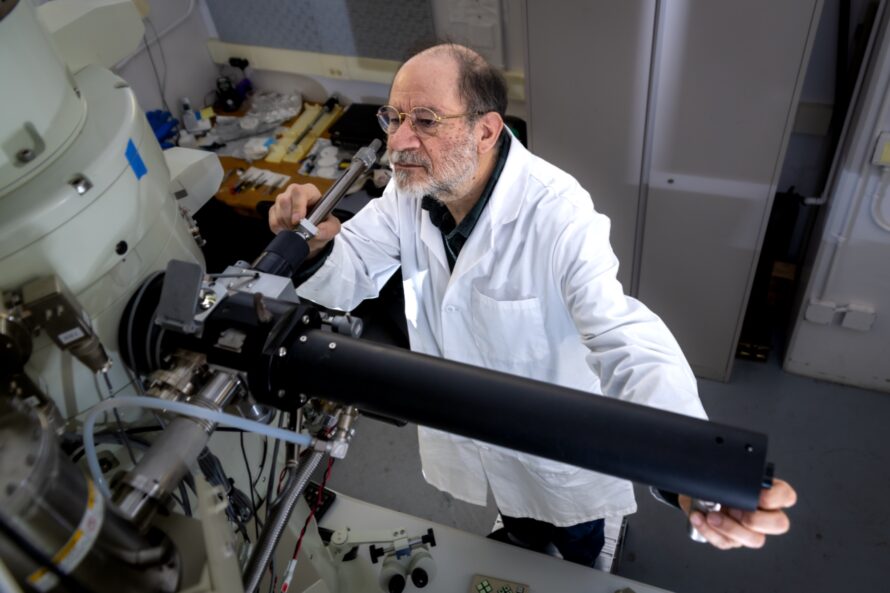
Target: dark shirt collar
454,236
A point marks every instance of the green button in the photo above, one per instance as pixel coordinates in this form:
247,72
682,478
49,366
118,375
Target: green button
488,588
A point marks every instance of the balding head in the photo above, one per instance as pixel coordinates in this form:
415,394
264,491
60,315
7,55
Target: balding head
480,86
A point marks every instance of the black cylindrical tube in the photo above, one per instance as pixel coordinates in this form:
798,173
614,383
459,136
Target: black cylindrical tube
283,255
703,459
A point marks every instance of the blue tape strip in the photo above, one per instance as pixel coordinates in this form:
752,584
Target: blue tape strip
135,160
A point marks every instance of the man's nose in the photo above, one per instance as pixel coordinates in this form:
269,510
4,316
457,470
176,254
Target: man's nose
404,138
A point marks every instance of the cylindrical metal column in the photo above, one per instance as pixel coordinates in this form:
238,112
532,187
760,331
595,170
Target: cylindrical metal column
171,456
47,502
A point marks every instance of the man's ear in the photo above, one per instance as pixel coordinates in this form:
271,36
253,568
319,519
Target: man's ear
489,127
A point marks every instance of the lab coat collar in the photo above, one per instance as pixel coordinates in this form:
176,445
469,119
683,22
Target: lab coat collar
509,193
432,238
503,207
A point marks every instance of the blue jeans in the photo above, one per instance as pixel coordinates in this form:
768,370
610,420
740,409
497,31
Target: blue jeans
579,543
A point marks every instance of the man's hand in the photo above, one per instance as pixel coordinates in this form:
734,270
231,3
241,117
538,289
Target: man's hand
292,205
732,528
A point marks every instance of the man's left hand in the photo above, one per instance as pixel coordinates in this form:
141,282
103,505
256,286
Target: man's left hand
732,528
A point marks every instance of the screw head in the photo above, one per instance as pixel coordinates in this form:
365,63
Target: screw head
25,155
121,247
282,352
305,319
80,184
304,339
332,345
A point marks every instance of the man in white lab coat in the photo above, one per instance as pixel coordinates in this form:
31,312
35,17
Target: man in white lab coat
507,265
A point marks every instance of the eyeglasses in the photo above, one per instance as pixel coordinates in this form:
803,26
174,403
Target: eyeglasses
424,121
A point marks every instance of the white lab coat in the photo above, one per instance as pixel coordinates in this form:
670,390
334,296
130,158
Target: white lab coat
534,293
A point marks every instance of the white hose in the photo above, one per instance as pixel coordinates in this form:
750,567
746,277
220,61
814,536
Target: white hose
183,409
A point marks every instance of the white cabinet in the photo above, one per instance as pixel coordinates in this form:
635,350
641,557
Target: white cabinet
690,189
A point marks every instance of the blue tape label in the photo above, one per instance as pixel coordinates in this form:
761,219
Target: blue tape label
135,160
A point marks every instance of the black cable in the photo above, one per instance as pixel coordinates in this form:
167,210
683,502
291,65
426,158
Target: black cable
262,463
158,428
161,49
184,503
69,582
272,475
117,417
154,68
239,510
256,524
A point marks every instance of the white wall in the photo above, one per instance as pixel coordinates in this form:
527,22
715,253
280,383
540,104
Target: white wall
509,38
317,89
851,267
190,72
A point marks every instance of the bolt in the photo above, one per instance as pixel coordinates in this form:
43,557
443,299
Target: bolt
332,345
81,184
282,352
305,320
281,393
25,155
304,339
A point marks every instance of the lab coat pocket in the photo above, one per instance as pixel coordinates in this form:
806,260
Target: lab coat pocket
508,332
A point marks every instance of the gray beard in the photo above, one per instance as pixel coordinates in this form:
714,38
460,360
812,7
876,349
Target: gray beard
448,183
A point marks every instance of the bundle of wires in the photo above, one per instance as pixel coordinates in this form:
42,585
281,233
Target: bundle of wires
241,508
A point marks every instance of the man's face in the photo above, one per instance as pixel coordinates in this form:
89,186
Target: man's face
442,165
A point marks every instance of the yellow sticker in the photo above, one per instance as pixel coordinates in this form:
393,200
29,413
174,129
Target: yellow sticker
207,113
69,556
885,154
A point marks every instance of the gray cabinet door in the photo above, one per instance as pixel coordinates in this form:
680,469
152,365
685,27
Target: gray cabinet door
724,88
728,80
588,76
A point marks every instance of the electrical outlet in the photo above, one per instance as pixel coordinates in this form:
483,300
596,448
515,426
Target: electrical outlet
821,312
859,317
